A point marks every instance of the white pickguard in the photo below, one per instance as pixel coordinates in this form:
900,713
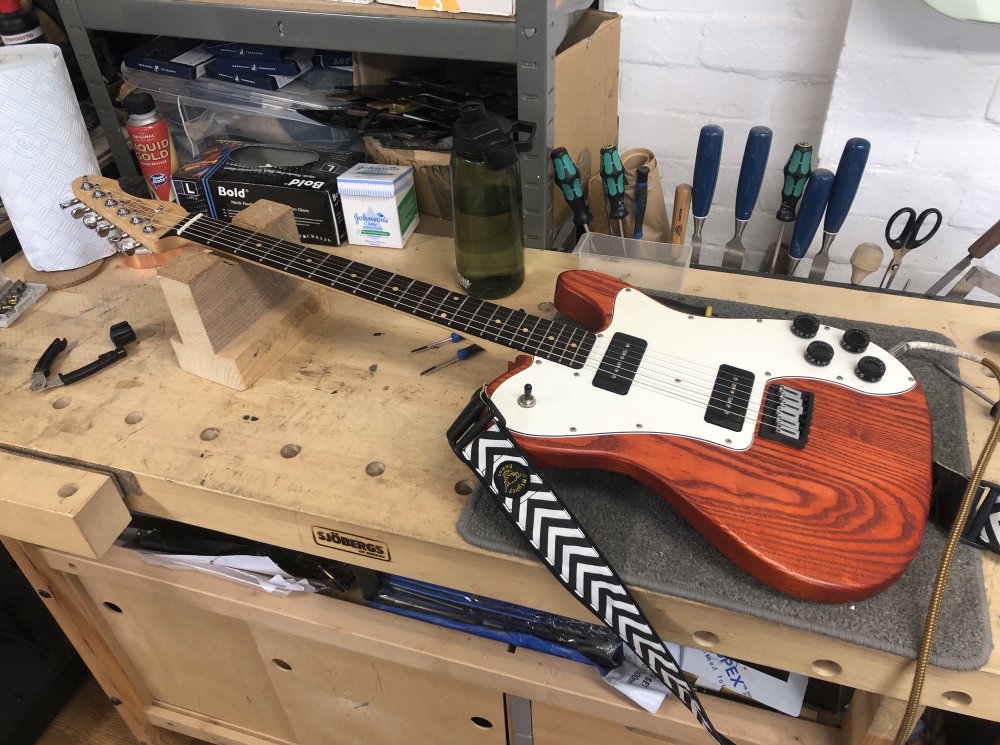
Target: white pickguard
683,348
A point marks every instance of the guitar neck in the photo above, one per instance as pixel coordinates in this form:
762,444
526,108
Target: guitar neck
552,340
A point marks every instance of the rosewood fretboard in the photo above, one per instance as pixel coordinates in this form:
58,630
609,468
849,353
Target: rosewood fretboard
552,340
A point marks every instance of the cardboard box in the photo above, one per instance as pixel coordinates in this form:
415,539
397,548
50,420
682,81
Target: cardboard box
488,7
379,203
586,109
231,177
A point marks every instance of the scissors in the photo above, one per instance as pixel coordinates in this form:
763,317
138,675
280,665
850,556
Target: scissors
906,240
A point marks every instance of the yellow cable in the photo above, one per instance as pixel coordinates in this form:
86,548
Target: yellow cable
934,608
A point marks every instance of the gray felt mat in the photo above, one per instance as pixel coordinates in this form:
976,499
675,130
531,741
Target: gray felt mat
653,548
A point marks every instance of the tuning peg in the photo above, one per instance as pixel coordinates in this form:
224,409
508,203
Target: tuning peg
147,229
122,211
68,203
85,184
110,202
98,194
104,228
116,236
129,246
135,220
91,219
79,211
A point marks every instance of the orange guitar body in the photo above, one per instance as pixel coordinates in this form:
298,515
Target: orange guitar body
836,521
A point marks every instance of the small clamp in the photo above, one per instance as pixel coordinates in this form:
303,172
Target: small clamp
121,334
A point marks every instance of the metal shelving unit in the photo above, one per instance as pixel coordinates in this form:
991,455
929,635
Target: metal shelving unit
529,41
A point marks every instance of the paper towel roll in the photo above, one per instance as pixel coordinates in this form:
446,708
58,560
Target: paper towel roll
44,145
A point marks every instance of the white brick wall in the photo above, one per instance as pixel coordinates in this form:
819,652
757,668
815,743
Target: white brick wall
925,89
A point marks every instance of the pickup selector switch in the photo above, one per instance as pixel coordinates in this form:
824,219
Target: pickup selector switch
819,353
870,369
855,341
805,327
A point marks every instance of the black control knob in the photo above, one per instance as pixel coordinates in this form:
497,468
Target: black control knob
870,369
819,353
805,327
855,341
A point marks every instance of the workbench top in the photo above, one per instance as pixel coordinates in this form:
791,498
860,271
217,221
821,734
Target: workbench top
344,434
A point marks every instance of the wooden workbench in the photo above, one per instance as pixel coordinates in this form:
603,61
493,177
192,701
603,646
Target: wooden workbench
187,654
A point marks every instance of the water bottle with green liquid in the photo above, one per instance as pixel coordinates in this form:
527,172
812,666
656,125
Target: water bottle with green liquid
486,201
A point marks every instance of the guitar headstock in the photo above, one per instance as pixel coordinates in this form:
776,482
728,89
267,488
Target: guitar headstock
130,224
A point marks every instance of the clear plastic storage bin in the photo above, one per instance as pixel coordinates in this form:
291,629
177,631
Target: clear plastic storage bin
201,109
645,264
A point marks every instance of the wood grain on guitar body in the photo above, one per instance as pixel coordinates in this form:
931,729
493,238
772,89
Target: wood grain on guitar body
811,477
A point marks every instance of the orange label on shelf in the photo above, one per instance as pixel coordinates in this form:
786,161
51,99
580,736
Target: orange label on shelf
449,5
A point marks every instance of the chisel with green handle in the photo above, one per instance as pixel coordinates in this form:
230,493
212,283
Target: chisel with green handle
567,178
613,179
796,173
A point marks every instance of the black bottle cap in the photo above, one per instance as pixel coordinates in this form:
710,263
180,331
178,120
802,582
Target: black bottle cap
139,103
483,137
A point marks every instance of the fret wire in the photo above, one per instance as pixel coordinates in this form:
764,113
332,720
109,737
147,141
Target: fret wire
317,268
563,347
539,329
402,294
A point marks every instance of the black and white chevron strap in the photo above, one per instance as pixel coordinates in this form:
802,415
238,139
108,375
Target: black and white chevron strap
562,544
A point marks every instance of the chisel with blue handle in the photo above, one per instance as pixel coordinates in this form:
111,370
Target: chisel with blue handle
850,169
747,190
796,173
814,201
706,174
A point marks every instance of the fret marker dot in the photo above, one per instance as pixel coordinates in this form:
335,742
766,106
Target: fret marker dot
552,338
497,321
354,276
309,261
395,289
573,345
443,314
260,245
455,298
524,329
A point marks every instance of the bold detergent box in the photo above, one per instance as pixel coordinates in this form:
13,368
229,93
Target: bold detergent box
230,177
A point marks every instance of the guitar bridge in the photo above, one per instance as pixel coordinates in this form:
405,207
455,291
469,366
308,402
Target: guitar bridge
786,416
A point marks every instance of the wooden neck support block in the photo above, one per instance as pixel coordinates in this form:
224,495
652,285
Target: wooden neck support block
235,320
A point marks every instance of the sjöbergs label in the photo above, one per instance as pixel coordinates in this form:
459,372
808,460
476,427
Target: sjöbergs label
354,544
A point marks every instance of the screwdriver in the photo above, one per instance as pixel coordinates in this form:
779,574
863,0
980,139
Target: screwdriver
706,174
462,354
639,199
850,169
613,178
994,405
453,338
567,178
814,199
796,174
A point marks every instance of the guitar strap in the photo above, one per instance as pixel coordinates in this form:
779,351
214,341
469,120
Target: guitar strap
479,437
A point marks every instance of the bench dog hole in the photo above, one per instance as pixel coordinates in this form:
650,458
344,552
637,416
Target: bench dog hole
281,663
290,450
705,638
67,490
61,403
134,418
209,433
375,468
465,487
826,668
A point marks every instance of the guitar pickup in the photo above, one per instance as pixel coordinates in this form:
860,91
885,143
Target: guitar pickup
620,364
727,406
786,416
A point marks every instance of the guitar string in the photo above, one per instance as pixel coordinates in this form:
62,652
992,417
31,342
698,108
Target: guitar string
469,320
279,251
683,366
764,414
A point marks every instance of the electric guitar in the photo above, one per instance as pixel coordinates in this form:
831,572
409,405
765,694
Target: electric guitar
801,451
